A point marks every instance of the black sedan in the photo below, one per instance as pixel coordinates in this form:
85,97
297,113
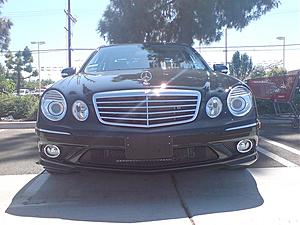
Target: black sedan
145,108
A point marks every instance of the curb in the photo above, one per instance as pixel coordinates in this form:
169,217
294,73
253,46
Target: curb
18,125
277,123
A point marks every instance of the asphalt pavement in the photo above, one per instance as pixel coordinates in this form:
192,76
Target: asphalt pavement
18,152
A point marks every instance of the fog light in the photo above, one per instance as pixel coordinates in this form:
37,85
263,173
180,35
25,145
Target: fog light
52,151
244,146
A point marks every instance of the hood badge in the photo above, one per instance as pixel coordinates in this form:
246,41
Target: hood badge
146,76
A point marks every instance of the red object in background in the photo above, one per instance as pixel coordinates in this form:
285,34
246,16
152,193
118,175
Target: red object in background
277,89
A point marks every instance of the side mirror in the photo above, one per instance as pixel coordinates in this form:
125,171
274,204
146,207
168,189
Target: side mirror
68,72
220,68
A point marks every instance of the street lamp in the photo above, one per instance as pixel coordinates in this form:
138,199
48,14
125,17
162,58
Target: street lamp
226,47
283,50
38,43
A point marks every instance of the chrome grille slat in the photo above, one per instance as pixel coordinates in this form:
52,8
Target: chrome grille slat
124,118
147,107
111,102
120,107
150,101
162,118
171,117
170,106
125,113
174,111
179,100
150,113
144,107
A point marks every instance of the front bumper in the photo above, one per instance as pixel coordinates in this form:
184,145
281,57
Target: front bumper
148,151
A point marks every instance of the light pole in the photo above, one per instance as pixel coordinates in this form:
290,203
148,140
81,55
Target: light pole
38,43
283,50
226,47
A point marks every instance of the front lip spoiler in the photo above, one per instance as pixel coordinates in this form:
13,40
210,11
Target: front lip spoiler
241,161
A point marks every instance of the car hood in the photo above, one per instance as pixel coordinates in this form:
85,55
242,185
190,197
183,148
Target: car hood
133,79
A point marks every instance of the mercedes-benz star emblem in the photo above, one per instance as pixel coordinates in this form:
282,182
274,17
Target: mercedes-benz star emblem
146,76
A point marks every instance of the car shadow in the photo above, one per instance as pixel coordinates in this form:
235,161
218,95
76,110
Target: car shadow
215,191
113,197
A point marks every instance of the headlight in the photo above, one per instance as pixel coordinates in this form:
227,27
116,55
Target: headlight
214,107
239,101
53,105
80,110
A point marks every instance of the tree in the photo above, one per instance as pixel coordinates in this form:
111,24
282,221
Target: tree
267,71
258,71
241,65
276,71
6,85
5,25
177,20
17,64
35,84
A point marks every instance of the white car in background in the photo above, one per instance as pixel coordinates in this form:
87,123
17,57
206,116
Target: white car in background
22,92
37,92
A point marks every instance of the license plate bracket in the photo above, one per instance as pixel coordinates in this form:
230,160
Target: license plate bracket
148,147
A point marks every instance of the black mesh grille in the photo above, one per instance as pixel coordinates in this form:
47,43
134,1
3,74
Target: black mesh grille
117,159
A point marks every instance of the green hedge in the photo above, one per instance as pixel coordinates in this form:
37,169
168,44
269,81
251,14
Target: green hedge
20,107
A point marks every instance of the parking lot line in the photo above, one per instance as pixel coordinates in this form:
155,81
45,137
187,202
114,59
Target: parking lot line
285,147
276,157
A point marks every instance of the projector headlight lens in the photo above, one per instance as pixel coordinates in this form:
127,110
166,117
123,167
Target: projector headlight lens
240,101
80,110
214,107
53,105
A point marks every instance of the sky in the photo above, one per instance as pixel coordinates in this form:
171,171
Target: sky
36,20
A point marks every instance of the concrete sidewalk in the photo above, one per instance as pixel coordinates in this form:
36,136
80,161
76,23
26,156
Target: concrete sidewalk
209,197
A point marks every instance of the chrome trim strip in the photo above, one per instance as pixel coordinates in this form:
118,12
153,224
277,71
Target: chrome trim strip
53,131
149,92
241,127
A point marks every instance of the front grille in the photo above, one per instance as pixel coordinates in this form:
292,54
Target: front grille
147,107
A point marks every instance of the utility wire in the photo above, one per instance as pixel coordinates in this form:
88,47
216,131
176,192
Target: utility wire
255,48
248,46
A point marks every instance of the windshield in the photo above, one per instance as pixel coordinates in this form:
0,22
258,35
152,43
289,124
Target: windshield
128,57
